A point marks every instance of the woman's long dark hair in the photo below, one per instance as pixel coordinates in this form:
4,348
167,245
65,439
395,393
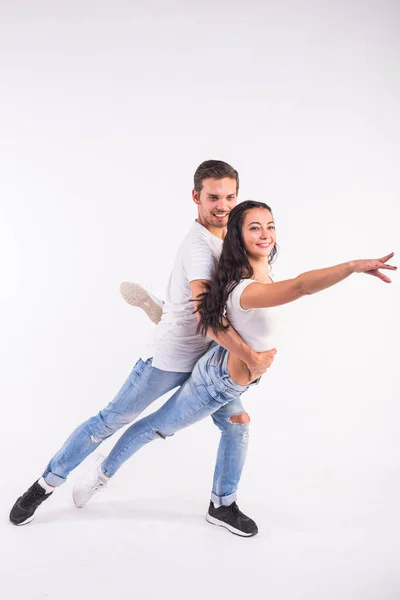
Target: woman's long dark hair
232,267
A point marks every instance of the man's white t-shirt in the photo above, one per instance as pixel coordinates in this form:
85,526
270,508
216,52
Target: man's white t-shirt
175,345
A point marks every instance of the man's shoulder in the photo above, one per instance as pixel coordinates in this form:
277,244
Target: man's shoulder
197,235
198,253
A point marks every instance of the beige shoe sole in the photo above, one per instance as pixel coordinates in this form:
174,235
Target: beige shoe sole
135,295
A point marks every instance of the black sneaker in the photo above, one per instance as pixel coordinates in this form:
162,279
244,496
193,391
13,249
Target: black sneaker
24,509
233,519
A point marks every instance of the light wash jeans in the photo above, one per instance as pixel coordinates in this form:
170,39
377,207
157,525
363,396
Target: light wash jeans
144,385
209,391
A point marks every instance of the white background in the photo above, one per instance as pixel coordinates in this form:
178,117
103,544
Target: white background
106,110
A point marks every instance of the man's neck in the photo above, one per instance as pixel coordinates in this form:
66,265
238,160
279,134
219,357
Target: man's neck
219,232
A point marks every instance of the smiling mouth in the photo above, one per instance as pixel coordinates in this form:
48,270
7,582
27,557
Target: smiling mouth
220,215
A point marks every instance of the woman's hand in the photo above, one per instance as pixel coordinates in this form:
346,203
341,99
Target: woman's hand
373,266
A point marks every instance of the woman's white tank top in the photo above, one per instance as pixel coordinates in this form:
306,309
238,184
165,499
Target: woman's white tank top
254,325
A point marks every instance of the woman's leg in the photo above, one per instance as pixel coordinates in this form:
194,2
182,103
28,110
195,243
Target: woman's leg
233,423
192,402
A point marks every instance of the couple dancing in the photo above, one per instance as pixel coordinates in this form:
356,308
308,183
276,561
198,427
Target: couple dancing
212,342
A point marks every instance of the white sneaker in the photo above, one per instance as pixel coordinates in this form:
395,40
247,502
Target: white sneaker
92,483
136,295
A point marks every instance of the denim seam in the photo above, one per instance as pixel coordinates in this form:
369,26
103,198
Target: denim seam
227,446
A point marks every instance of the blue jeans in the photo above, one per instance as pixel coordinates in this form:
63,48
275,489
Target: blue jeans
209,391
144,385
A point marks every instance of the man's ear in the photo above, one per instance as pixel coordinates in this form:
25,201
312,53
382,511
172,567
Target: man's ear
195,197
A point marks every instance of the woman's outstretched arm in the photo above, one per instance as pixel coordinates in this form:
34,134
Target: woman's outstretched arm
260,295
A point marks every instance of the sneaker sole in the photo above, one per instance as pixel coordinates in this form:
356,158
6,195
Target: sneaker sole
219,523
28,520
139,297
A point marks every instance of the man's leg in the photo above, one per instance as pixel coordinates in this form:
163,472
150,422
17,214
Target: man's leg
144,385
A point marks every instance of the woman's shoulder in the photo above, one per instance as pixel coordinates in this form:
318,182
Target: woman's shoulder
235,295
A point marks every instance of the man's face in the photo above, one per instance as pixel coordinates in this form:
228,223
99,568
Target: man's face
215,202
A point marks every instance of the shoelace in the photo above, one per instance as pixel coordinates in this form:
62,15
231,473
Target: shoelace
235,509
33,498
97,486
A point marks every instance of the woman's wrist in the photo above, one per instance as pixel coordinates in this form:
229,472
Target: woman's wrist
352,266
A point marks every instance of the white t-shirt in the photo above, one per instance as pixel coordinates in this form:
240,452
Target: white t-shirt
175,345
256,326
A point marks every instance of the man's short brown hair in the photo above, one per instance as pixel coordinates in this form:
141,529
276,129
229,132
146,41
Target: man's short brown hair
214,169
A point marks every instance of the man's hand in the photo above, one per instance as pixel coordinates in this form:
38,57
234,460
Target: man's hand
260,362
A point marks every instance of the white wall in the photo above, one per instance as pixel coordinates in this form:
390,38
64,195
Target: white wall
106,109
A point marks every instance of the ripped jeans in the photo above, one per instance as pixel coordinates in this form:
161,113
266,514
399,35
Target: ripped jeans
207,391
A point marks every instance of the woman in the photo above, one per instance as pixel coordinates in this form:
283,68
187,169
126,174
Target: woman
242,286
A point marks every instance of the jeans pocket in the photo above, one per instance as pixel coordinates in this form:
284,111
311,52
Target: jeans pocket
138,370
215,393
230,388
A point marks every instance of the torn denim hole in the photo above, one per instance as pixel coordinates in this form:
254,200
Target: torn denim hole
240,419
95,439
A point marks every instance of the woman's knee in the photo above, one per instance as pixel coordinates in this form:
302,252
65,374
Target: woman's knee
237,427
241,418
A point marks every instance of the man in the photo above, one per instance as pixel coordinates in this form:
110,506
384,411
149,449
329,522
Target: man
170,358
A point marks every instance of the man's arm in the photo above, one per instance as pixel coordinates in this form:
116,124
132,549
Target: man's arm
257,362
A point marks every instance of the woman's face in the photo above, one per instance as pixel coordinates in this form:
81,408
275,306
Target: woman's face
258,232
